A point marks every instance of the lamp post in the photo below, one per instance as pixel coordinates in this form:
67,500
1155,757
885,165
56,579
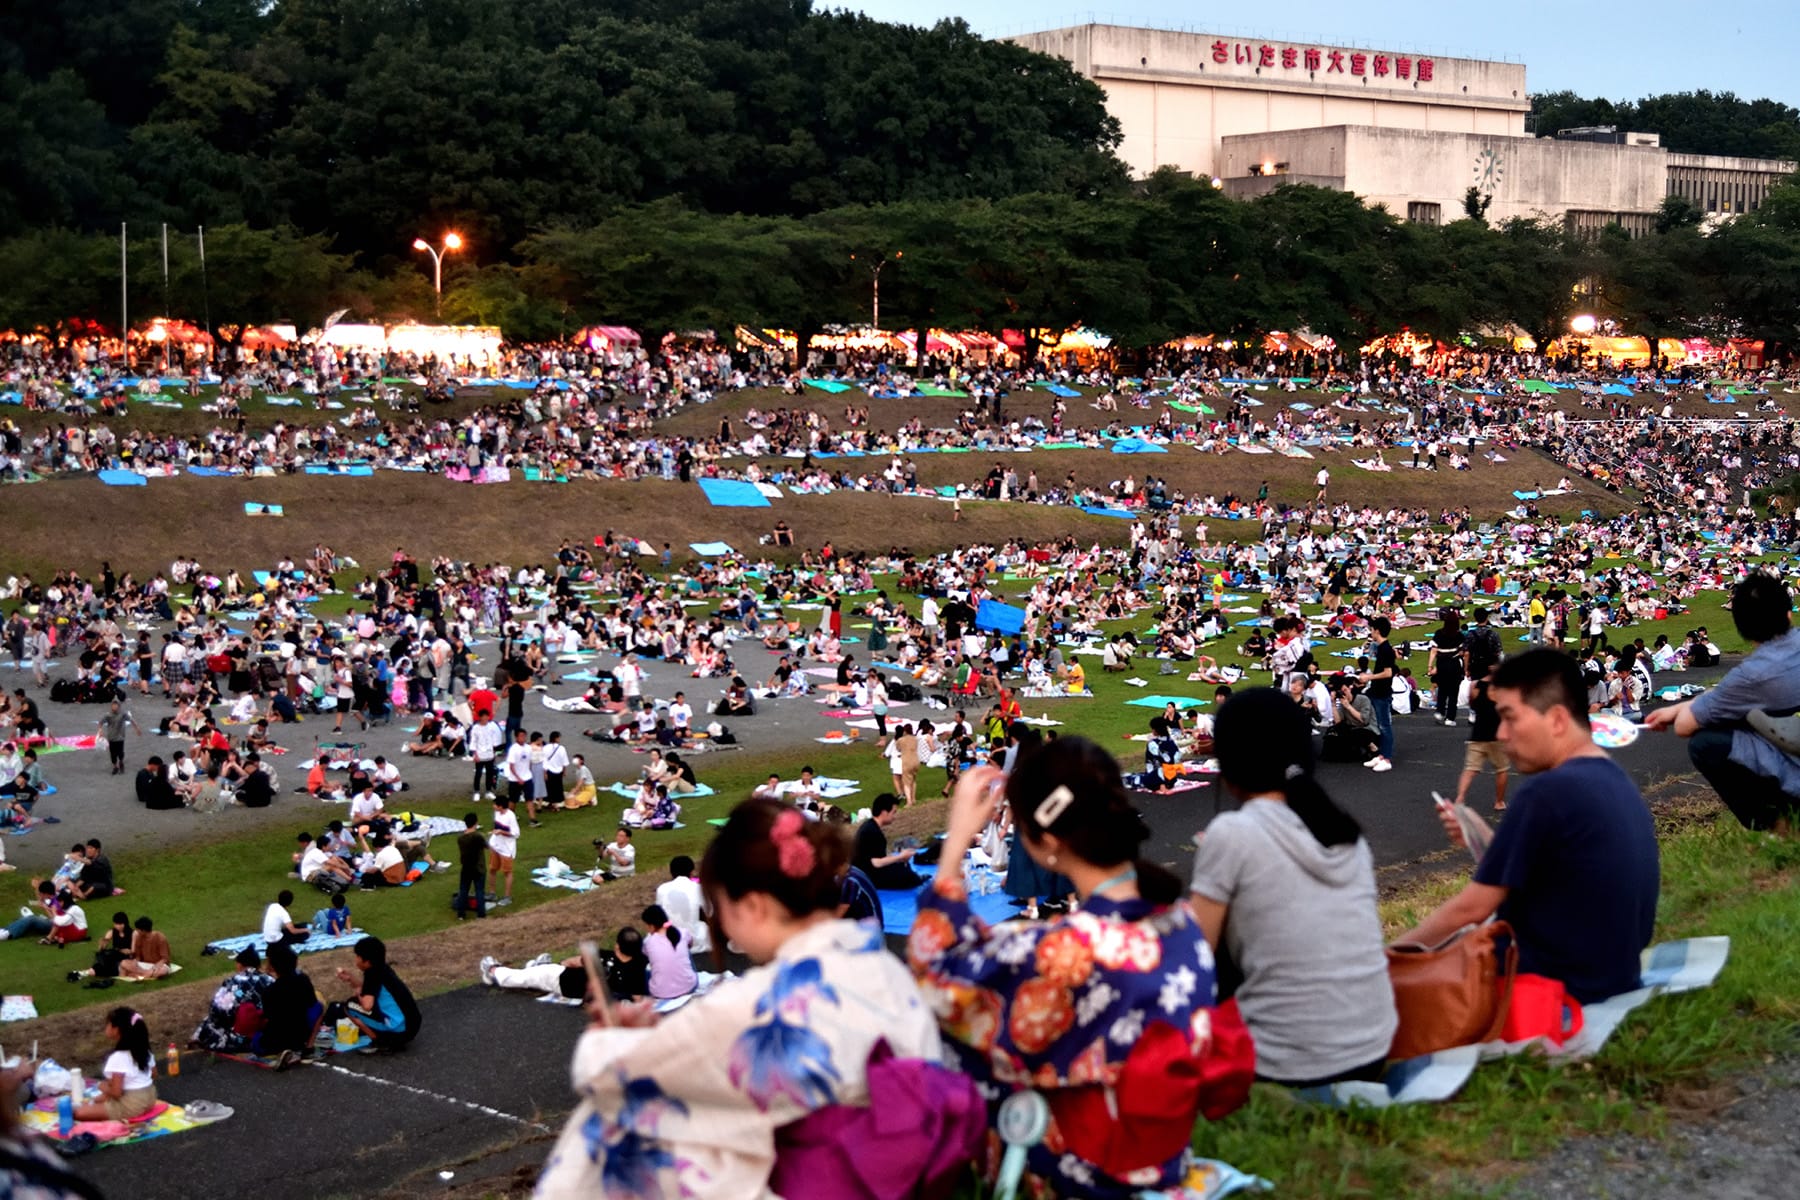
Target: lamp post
452,241
879,262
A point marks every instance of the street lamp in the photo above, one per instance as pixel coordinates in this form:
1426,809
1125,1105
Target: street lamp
452,241
875,278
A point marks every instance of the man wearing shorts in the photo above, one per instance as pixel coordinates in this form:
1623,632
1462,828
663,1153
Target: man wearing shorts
503,847
1484,745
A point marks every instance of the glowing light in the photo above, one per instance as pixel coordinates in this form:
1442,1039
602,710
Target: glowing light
1584,324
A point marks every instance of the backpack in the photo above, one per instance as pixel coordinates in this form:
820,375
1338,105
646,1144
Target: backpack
1484,650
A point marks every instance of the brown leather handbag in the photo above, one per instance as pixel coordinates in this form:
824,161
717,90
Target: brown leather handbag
1456,993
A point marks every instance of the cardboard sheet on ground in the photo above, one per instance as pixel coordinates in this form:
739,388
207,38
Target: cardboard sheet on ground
1670,967
733,493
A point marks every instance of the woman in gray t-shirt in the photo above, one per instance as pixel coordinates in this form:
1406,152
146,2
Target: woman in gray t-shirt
1285,887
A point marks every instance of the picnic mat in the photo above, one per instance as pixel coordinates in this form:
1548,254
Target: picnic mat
168,1119
1669,967
733,493
899,908
1181,703
311,945
17,1008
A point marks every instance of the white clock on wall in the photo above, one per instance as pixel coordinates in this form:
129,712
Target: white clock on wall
1490,169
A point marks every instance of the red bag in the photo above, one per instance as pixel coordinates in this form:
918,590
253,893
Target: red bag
1230,1068
1149,1115
1541,1007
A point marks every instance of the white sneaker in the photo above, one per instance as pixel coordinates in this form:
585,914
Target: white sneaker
540,961
487,969
1381,764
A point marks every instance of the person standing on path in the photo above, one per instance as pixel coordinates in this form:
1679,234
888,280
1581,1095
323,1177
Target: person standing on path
1378,681
112,728
484,744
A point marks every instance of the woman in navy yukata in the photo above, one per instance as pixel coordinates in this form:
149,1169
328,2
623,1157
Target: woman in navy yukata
1106,1014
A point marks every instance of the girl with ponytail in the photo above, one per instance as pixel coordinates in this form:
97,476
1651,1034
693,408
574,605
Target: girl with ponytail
1288,882
1106,1014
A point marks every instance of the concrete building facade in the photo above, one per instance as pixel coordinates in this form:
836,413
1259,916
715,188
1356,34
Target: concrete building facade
1178,95
1411,131
1424,176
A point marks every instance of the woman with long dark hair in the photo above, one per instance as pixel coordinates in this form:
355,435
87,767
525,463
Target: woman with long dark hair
1286,885
1445,665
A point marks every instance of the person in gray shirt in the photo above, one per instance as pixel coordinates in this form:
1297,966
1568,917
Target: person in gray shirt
1284,887
1729,738
112,728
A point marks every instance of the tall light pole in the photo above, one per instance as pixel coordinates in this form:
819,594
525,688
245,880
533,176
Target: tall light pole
875,265
452,241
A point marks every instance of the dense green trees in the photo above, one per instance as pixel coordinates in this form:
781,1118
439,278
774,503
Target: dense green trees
1689,122
371,120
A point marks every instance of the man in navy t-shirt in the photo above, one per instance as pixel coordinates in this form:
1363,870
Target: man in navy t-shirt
1574,865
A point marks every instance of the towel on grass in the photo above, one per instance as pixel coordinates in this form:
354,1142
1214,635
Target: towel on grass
629,792
1668,967
900,908
1181,703
311,945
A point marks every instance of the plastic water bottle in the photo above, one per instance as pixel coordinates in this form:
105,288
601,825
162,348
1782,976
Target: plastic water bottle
65,1116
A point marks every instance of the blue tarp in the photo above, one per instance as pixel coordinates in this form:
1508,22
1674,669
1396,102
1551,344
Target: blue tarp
1132,445
1001,618
122,479
1616,389
829,386
252,509
733,493
1057,389
710,549
207,472
1121,513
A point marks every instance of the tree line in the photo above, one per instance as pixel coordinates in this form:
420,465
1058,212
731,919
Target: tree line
1171,258
1699,122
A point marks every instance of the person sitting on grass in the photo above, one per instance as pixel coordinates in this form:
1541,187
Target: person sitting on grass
319,867
149,957
381,1006
334,919
669,954
1284,889
1574,867
128,1077
617,858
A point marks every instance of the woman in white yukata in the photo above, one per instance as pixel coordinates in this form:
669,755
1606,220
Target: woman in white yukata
761,1088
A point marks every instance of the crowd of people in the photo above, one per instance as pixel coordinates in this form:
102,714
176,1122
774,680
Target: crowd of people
1133,1003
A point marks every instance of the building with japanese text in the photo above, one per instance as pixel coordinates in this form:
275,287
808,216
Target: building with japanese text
1408,130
